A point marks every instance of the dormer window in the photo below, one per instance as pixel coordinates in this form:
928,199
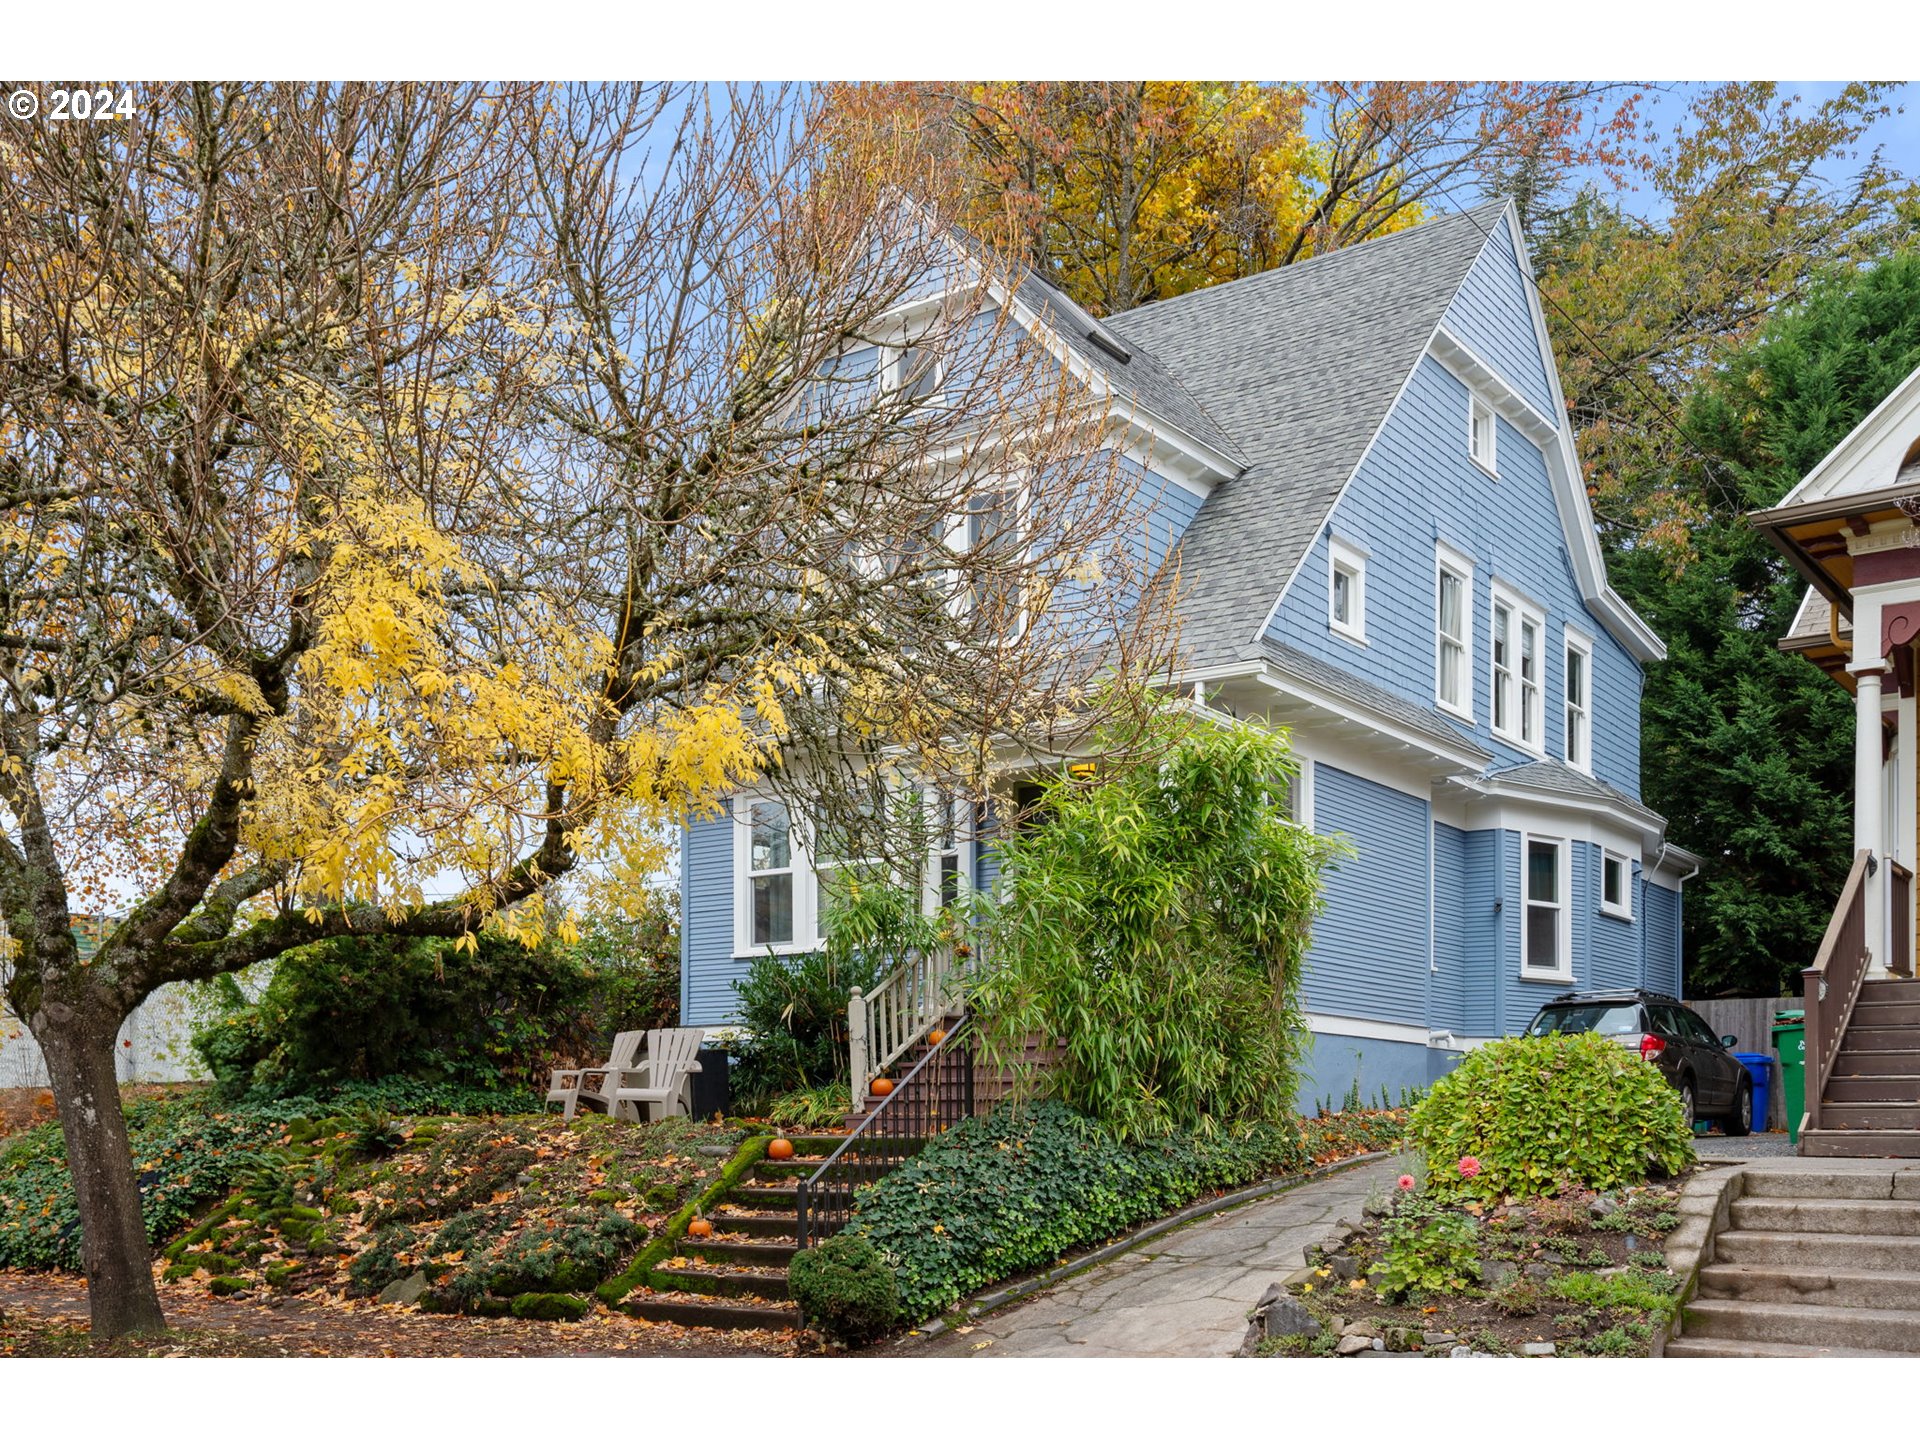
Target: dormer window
914,372
1481,434
1347,590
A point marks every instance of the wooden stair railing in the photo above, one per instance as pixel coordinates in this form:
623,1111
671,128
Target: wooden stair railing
1900,898
886,1023
1832,983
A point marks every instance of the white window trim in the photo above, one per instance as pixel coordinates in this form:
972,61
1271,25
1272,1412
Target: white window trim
1445,557
1300,793
964,848
1623,910
893,372
1523,610
1563,975
805,887
1476,407
1345,555
1577,642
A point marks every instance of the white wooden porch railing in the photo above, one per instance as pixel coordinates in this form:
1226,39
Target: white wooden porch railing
908,1003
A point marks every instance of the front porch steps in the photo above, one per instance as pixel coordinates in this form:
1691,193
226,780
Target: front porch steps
1811,1263
736,1278
1871,1105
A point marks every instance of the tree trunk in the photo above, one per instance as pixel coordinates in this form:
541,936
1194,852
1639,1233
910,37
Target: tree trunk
113,1237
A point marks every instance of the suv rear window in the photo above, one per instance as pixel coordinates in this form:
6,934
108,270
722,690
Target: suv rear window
1574,1019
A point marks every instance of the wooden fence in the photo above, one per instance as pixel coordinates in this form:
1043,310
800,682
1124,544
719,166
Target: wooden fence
1750,1022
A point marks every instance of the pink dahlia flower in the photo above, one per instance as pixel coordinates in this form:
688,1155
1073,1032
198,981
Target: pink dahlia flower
1469,1167
1405,1182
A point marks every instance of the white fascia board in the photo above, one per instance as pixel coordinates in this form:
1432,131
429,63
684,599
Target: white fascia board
1342,708
1147,423
1358,1029
1864,446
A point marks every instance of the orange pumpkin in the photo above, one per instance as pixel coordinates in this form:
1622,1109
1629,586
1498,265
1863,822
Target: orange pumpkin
934,1037
780,1149
700,1229
882,1086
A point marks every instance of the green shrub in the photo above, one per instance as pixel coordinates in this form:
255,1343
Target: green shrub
189,1150
1156,924
845,1290
822,1105
500,1017
1540,1113
794,1012
1013,1191
1427,1250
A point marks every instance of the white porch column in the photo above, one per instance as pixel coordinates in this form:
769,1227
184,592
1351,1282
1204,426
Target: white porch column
1869,792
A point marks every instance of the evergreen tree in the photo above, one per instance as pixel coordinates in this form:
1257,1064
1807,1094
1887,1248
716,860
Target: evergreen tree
1746,750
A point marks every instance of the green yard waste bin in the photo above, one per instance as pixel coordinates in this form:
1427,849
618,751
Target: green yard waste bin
1790,1043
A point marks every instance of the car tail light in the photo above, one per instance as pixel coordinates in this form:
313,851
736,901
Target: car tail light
1651,1046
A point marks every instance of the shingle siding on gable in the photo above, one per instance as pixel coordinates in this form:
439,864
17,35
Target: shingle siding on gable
1417,485
1492,316
708,970
1369,954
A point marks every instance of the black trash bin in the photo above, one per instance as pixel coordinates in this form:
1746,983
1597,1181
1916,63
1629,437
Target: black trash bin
711,1090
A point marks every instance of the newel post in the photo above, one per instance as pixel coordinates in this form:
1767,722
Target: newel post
857,1048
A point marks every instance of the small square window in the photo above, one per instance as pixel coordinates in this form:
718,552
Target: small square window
1347,590
1616,885
1482,434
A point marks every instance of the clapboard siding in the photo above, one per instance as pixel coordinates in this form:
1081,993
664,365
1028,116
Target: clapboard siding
1480,939
1450,954
1662,910
1616,942
1490,313
1369,953
708,970
1418,486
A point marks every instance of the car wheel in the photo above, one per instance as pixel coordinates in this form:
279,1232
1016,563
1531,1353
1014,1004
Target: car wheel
1740,1118
1686,1101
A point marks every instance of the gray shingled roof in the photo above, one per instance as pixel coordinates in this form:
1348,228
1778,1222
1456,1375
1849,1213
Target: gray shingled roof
1300,365
1810,620
1552,775
1142,379
1301,666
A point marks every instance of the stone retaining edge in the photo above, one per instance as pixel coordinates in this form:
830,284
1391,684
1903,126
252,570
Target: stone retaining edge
994,1299
1706,1204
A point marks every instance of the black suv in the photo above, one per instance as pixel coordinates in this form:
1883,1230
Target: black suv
1712,1084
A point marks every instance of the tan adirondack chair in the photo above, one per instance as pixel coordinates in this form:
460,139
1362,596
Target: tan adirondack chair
570,1088
659,1082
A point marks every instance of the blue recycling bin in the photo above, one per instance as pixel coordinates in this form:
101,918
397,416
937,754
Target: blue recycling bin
1760,1067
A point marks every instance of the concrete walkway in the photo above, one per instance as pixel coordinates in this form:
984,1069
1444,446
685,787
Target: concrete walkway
1180,1294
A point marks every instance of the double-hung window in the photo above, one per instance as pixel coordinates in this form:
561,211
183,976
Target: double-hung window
772,876
1452,625
946,858
914,372
1578,686
1347,590
1545,939
1518,658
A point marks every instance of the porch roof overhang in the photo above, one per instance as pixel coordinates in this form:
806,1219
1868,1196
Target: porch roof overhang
1813,534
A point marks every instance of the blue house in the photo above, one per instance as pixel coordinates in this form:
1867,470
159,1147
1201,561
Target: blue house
1363,468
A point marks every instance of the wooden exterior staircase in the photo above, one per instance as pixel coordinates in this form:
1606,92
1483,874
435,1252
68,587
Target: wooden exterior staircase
1863,1035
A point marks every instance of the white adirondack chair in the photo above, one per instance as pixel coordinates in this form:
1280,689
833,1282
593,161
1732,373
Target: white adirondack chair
660,1081
570,1089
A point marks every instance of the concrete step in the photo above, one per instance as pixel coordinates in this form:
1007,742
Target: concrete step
1853,1289
1788,1250
767,1222
1862,1144
1850,1089
1689,1347
1893,1330
1875,1062
762,1254
1859,1115
1879,1037
1889,1011
1797,1184
765,1197
1810,1216
787,1172
678,1310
